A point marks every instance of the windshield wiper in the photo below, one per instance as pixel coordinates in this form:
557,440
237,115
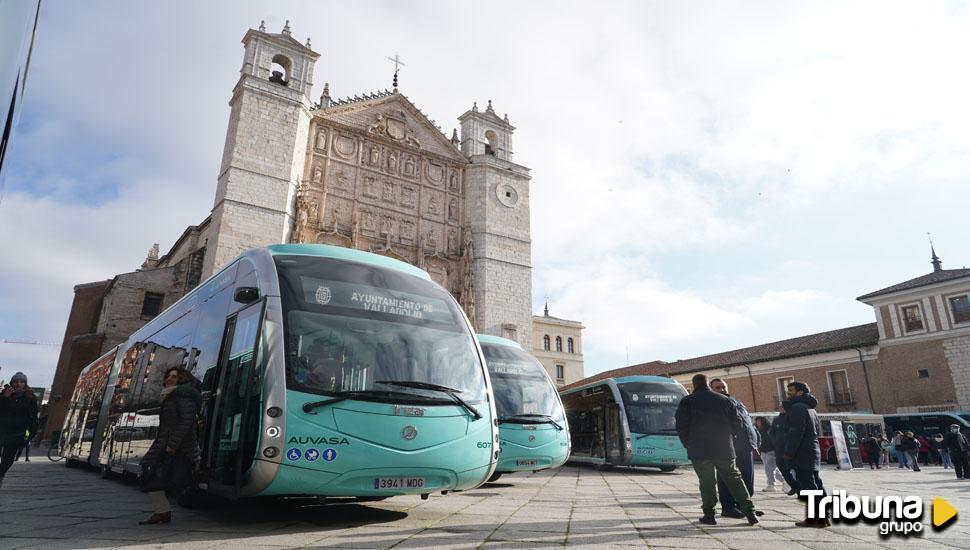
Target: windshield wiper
450,392
338,396
641,436
531,419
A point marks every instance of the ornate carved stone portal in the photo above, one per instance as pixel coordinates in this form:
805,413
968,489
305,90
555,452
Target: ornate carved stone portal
387,181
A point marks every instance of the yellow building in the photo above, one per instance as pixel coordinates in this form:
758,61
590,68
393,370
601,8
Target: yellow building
558,345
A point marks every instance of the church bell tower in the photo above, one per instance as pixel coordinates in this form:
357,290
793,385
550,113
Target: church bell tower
265,150
497,213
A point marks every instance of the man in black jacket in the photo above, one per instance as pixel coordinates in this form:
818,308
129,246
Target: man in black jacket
746,441
801,447
706,424
18,416
959,448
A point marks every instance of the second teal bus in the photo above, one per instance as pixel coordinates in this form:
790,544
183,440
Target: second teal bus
533,433
626,421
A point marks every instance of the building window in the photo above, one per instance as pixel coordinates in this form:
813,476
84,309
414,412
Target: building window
912,319
570,346
560,373
960,307
923,373
783,387
152,304
839,393
558,343
492,144
545,342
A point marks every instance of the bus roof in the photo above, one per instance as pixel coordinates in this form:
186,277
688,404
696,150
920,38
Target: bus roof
341,253
622,380
497,340
661,379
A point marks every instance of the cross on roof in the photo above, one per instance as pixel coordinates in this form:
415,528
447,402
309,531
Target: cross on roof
397,66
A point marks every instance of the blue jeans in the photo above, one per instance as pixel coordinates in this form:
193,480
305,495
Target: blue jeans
902,459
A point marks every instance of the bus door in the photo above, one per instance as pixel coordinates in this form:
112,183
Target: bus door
233,429
614,434
598,416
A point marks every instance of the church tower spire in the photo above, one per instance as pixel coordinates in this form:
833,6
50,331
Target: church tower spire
258,178
937,264
497,214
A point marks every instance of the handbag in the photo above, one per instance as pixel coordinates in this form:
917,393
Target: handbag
171,471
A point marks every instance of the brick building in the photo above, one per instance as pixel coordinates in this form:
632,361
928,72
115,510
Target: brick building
914,358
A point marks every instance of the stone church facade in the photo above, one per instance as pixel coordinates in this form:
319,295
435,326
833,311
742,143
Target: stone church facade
374,173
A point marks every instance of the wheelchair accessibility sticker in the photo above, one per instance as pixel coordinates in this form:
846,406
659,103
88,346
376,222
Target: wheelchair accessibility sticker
294,454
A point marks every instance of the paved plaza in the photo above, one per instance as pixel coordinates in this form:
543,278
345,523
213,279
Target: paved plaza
45,505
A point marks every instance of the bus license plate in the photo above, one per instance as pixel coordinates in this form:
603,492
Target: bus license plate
527,462
399,483
671,461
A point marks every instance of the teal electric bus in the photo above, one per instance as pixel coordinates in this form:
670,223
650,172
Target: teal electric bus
626,421
533,434
324,371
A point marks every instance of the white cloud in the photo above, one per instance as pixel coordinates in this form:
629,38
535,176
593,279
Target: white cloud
704,132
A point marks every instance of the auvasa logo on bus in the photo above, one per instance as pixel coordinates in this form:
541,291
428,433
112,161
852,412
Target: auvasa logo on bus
310,440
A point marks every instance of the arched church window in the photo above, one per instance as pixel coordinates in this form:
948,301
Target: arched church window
569,346
545,342
558,343
280,70
492,144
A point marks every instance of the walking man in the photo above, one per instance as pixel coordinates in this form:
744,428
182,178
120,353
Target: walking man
18,416
910,446
706,423
745,442
801,444
958,446
779,435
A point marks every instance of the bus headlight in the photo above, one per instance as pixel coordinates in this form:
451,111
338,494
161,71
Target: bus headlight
271,452
274,412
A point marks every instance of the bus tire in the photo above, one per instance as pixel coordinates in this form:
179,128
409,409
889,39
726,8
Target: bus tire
107,472
831,457
667,468
72,463
494,477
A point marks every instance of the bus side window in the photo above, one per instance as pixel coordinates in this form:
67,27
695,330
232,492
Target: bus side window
208,336
934,424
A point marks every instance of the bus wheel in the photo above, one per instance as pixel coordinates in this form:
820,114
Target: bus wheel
667,468
494,477
107,473
72,463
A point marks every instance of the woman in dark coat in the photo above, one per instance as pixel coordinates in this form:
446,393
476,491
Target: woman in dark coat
178,432
18,418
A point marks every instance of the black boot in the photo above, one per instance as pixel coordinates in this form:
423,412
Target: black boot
752,517
708,519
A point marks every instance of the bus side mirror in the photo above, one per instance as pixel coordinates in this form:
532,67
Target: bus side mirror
246,294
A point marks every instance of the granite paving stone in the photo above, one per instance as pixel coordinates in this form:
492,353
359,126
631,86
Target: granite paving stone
44,505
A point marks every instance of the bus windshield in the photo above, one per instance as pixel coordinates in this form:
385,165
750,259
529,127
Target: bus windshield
521,386
351,327
650,406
